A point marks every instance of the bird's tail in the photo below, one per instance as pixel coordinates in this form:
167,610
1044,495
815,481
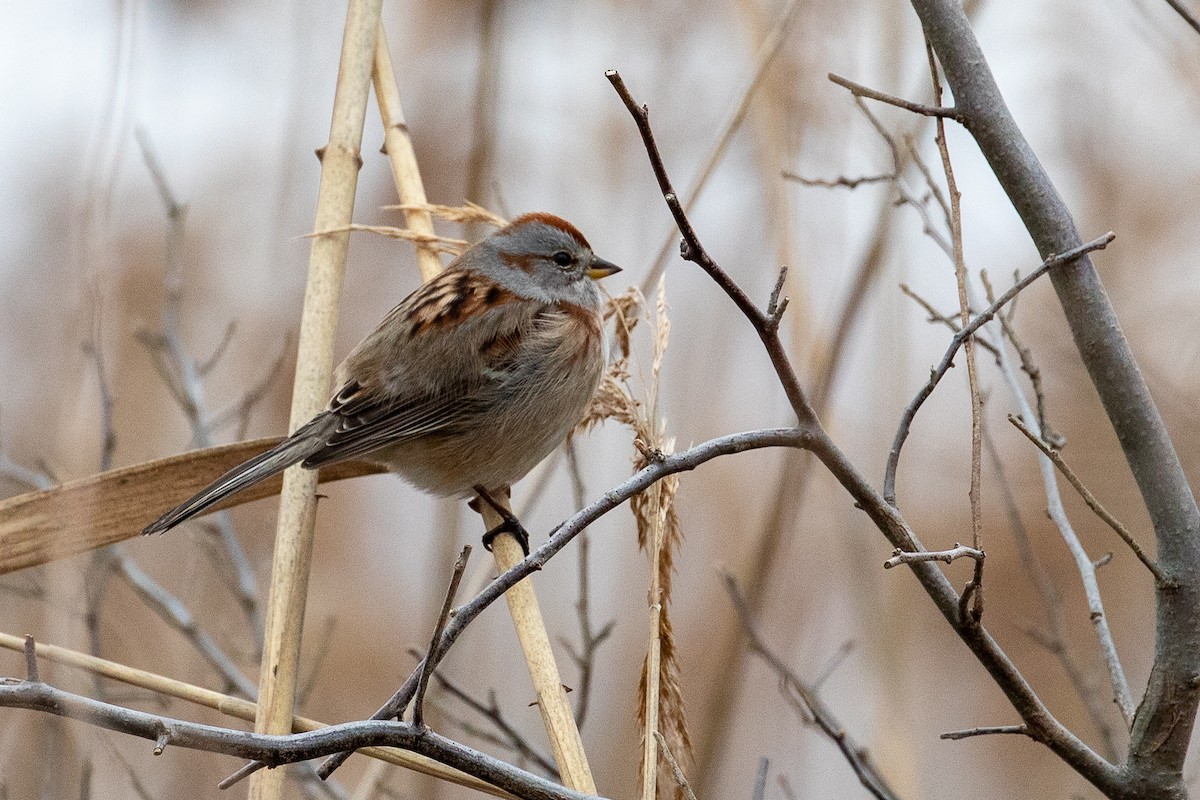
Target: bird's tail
306,441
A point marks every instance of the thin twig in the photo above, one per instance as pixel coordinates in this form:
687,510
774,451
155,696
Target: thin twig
958,551
1055,641
889,480
858,90
986,731
443,617
855,754
490,711
946,319
1028,365
31,665
975,587
1089,498
590,641
677,771
691,250
840,182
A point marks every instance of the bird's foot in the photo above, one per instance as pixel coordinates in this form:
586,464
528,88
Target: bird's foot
509,524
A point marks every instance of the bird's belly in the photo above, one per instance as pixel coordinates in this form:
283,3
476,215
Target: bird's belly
507,440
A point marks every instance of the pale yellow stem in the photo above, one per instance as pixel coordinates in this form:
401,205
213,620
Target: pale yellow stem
340,163
398,145
653,652
539,657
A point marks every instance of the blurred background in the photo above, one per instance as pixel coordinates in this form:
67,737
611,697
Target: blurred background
508,107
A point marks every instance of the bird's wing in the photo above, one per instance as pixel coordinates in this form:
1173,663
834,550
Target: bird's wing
373,413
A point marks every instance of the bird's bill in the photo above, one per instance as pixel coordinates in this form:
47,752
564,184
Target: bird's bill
601,268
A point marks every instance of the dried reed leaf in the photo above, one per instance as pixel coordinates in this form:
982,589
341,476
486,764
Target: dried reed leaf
38,527
468,212
442,244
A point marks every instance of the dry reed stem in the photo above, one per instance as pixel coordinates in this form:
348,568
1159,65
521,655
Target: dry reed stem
660,696
340,163
539,657
399,148
235,707
522,602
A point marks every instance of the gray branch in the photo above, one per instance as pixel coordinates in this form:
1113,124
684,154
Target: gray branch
279,750
1163,724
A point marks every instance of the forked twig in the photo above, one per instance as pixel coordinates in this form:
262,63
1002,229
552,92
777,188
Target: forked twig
938,372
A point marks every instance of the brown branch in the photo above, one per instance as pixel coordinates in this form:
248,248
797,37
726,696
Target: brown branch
1089,498
858,90
443,617
840,182
975,588
1045,728
855,754
766,326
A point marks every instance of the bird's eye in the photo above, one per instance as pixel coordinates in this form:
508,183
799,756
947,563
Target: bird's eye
562,258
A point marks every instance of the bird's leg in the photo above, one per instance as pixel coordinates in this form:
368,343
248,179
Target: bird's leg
510,522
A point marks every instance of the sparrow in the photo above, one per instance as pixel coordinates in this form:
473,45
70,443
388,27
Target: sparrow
469,382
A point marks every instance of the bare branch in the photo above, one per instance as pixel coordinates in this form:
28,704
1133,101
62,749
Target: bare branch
938,372
858,90
839,182
958,551
986,731
855,754
443,617
1162,729
954,219
1089,498
677,771
562,535
276,750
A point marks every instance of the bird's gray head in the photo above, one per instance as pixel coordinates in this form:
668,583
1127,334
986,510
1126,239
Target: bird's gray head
543,257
